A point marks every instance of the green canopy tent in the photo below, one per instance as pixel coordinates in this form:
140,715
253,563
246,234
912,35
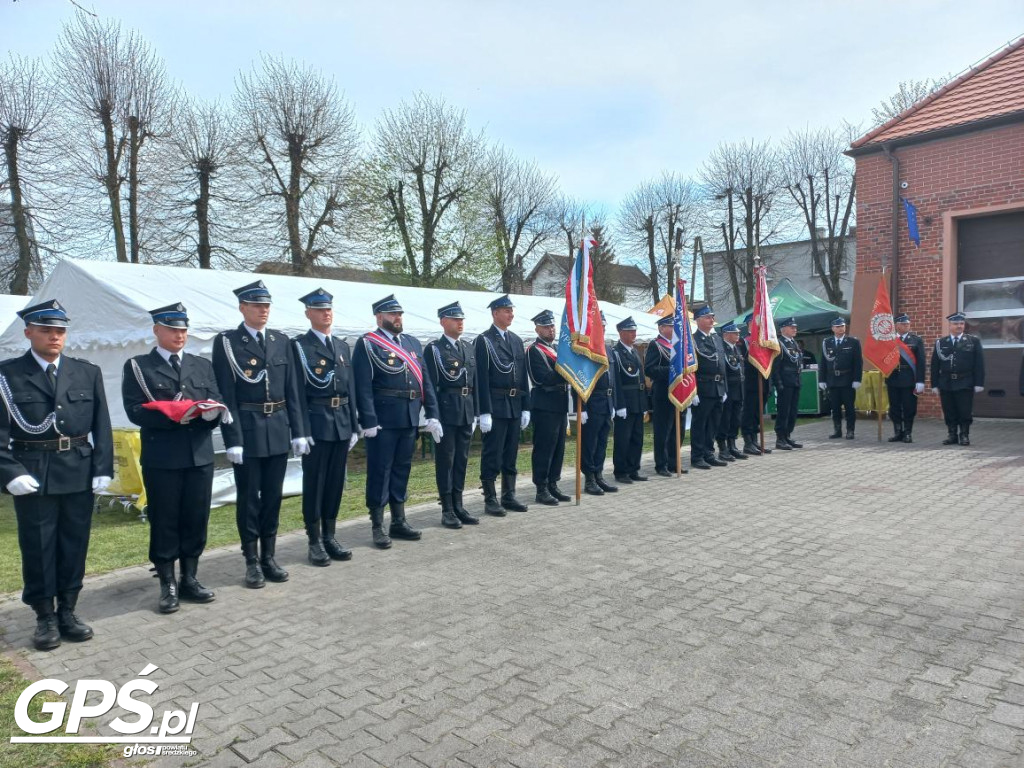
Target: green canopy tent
813,315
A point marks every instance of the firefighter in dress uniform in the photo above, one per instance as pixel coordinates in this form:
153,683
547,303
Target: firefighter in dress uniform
905,383
324,363
711,391
657,363
755,396
52,405
732,410
786,379
841,370
549,411
630,405
958,373
598,412
177,452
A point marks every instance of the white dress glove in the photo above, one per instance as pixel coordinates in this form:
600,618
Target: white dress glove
822,386
524,420
935,390
235,454
725,397
353,440
695,401
212,414
476,423
226,418
621,413
101,483
300,446
918,389
22,485
485,423
583,417
435,429
856,385
371,432
979,389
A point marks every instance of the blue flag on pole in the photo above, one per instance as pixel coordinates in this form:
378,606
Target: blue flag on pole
912,229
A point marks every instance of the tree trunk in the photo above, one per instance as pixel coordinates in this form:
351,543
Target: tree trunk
112,183
203,218
291,206
133,187
652,259
23,268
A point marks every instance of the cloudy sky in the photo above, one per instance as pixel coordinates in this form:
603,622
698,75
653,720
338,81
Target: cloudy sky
604,94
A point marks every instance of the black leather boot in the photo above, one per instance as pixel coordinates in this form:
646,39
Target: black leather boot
508,493
189,587
750,446
332,546
781,444
723,452
849,433
400,529
636,477
555,491
460,511
47,636
448,517
713,461
603,484
965,435
590,485
380,538
271,570
544,495
168,588
317,554
837,430
491,505
253,575
735,452
897,433
71,628
951,438
908,428
622,478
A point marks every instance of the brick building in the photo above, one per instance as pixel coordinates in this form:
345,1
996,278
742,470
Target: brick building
958,156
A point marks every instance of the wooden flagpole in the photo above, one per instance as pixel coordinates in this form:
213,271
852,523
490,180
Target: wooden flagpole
579,400
679,444
760,407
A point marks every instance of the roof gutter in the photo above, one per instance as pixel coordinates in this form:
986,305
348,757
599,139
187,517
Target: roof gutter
894,257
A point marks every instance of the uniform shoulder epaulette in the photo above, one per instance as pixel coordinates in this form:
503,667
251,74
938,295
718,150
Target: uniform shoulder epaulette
83,360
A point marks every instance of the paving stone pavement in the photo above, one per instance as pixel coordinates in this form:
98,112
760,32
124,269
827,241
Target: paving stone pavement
848,604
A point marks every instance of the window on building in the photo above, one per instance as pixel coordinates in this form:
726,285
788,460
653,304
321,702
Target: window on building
995,310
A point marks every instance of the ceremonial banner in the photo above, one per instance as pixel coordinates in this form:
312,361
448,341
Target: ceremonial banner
912,230
683,363
762,339
883,346
581,353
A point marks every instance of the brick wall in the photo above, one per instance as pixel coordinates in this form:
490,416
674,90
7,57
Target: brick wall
973,171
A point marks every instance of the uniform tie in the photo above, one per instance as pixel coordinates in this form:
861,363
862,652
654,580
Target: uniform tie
176,363
51,376
260,341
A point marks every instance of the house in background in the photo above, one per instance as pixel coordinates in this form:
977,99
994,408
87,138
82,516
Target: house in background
549,274
792,260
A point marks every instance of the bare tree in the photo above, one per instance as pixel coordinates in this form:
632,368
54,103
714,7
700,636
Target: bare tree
300,136
26,109
741,182
519,197
422,192
604,259
821,183
638,222
677,219
909,93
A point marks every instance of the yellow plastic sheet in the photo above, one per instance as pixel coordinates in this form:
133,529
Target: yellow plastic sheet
127,470
872,395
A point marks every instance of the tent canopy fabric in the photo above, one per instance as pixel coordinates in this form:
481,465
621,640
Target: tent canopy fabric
109,303
813,315
9,305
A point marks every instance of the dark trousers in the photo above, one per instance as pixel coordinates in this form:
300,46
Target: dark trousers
840,398
451,456
258,507
753,404
704,426
323,481
902,407
957,407
388,463
595,442
786,402
501,448
732,414
629,444
53,534
664,416
548,446
178,508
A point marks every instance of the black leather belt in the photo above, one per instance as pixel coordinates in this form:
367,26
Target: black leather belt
956,375
266,408
625,387
554,387
839,373
403,394
464,391
330,402
61,444
510,392
716,377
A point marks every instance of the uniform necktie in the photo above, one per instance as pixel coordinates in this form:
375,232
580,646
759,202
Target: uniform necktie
259,340
176,363
329,343
51,376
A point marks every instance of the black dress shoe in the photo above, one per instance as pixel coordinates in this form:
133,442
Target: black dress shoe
317,554
897,438
965,440
715,461
836,435
782,445
793,443
849,435
636,477
604,485
751,448
555,491
623,479
663,472
590,486
700,464
544,496
907,438
400,529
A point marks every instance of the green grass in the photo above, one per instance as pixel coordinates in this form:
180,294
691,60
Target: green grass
12,683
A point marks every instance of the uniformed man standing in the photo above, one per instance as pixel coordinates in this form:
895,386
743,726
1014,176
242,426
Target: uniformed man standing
256,375
786,378
657,363
391,388
325,365
841,369
549,409
755,395
958,373
504,405
52,405
905,383
599,410
452,368
711,391
732,410
177,452
630,405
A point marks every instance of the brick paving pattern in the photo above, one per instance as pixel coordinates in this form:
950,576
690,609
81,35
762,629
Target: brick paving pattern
849,604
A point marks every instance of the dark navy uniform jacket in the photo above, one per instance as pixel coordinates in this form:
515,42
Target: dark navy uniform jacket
166,444
602,397
498,376
260,434
657,366
627,379
735,362
841,362
315,363
452,369
788,364
958,365
549,391
903,375
388,394
711,368
81,409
